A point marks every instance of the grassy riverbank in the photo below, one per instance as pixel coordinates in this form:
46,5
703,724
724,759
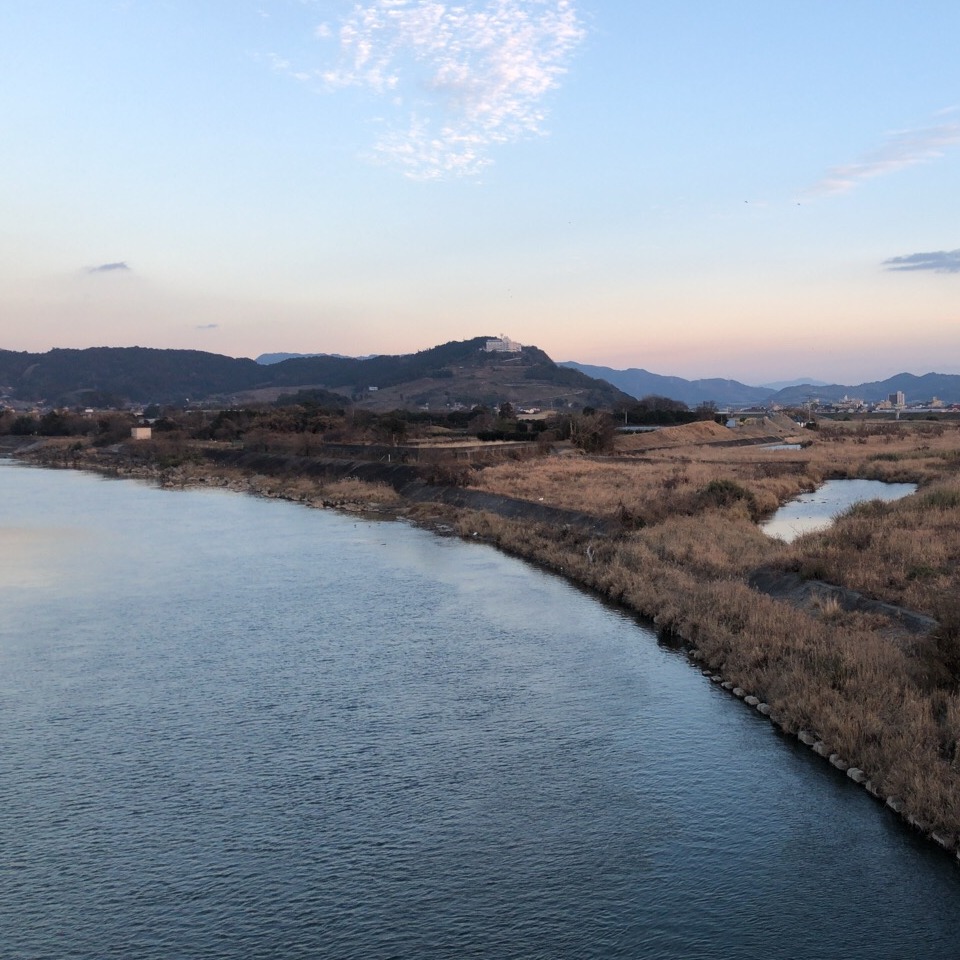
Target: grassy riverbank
886,701
679,511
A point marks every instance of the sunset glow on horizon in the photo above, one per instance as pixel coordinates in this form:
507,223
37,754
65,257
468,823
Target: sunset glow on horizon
744,190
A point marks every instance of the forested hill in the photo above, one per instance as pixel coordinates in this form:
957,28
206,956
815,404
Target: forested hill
459,371
138,374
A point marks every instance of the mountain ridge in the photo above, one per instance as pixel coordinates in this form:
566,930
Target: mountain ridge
454,374
639,382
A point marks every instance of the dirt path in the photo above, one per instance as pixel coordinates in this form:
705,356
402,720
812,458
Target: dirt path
816,596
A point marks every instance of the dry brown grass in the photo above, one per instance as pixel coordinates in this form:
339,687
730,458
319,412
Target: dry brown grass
665,482
906,552
648,490
351,490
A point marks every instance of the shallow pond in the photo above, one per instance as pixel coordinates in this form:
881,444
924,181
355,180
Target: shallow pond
817,510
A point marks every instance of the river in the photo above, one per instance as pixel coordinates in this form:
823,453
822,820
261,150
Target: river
234,727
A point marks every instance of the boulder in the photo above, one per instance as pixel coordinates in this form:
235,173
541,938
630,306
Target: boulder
942,840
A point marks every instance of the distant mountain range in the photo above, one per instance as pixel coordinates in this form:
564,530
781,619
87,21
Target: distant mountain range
641,383
268,358
916,389
731,393
797,382
456,374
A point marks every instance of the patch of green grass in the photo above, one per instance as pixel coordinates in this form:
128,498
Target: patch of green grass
725,493
944,499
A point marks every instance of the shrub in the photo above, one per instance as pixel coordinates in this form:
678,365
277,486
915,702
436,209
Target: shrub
725,493
946,639
592,432
24,426
868,509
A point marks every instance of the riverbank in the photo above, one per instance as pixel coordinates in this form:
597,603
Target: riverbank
673,537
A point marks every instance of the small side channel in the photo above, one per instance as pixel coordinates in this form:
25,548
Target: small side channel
817,510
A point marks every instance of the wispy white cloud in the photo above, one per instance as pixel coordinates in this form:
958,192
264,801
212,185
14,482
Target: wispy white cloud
461,78
938,261
901,149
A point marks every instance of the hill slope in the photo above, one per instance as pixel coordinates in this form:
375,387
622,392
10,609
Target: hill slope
459,373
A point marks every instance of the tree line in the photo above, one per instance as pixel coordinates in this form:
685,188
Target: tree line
323,415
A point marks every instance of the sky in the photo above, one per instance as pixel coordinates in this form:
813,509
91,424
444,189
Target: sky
702,188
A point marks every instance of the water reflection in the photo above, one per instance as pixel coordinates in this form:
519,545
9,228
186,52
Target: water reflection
38,557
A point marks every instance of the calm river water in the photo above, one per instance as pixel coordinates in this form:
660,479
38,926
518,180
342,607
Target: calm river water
238,728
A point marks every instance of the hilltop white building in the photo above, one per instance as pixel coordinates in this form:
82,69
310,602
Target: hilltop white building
503,344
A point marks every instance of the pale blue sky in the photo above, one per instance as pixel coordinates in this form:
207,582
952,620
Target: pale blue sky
743,189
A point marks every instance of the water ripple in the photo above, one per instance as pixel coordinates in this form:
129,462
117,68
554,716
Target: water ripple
267,736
